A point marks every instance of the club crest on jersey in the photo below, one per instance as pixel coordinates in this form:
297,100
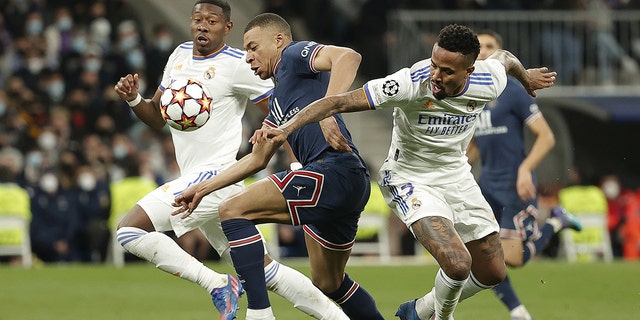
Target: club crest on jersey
428,105
415,204
471,105
390,88
210,73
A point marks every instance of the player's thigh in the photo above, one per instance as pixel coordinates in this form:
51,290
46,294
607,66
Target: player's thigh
260,202
327,266
488,259
138,218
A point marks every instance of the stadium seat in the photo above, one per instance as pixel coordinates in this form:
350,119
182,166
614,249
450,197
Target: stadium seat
15,217
14,238
124,195
373,228
589,205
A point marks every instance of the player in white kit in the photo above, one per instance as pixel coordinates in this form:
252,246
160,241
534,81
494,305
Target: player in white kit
201,154
426,179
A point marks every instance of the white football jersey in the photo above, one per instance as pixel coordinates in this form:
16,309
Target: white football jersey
231,83
430,136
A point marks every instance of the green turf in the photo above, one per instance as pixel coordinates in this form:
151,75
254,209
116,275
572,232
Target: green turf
551,290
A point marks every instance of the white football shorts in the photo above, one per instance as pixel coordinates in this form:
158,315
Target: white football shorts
461,202
157,205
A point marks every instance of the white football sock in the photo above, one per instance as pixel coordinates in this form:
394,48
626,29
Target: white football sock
299,290
168,256
425,306
446,292
260,314
520,313
471,287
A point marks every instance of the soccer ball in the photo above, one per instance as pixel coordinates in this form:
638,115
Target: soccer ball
185,105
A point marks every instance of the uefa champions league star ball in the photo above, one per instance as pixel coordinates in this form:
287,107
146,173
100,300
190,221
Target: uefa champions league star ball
185,105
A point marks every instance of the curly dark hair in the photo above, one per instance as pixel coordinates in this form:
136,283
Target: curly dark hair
224,5
458,38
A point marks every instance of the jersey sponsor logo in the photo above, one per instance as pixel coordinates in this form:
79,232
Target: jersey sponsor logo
305,51
178,67
390,88
210,73
446,124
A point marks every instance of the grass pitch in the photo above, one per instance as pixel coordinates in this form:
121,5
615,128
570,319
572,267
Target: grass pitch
550,290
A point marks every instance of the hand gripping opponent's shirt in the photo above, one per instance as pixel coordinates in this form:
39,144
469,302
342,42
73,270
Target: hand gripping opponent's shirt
430,136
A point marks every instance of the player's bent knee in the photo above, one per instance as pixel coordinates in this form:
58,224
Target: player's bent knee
326,284
457,270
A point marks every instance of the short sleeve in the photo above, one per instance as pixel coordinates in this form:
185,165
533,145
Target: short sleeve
393,90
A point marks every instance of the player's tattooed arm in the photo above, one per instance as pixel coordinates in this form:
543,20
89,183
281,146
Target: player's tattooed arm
532,79
351,101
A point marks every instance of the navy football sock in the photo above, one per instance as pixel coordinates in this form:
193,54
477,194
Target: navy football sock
506,294
355,301
546,232
247,253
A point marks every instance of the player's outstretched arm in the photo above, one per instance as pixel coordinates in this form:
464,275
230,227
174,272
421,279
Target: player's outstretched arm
531,79
342,63
146,110
247,166
351,101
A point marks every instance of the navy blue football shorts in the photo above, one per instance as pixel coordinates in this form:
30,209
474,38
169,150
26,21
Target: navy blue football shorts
326,197
517,218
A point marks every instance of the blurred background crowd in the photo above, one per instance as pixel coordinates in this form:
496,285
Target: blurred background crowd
68,140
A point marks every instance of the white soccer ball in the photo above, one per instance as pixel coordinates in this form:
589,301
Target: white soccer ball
185,105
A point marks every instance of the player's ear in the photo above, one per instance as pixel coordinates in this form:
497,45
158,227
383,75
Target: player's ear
470,71
279,39
228,27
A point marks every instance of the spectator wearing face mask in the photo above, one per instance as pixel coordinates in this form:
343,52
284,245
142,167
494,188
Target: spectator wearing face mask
58,36
54,220
93,212
618,199
161,46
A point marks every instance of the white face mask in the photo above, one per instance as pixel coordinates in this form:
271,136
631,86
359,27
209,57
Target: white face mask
86,181
47,140
611,189
49,183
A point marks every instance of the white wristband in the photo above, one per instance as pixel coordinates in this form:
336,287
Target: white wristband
135,101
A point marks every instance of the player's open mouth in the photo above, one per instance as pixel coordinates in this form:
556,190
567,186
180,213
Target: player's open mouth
255,70
202,40
435,88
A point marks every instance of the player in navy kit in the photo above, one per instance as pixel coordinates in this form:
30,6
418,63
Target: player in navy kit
507,180
326,196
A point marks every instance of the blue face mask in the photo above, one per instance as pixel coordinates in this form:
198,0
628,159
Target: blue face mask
79,44
164,44
92,65
65,24
34,27
56,90
128,43
136,59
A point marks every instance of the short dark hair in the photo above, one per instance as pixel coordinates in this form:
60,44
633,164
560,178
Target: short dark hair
458,38
226,8
493,34
270,19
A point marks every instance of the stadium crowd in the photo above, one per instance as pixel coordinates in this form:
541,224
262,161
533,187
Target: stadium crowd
65,136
